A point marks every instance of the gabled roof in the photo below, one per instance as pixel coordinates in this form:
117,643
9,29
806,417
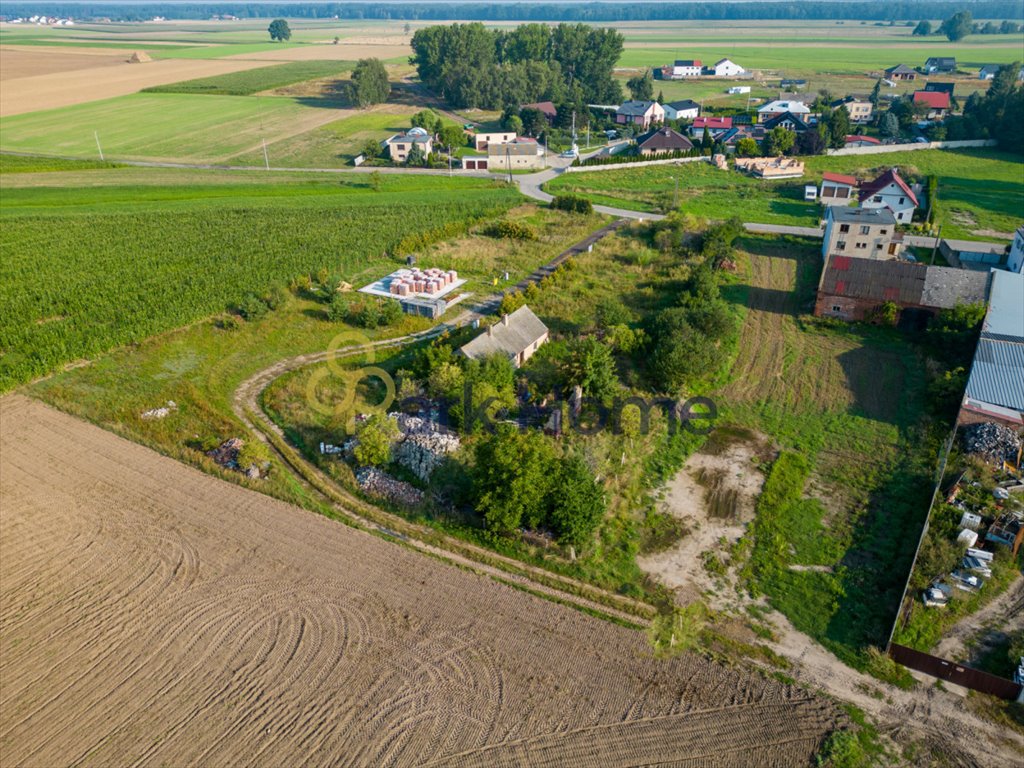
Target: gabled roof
414,135
788,105
946,287
901,69
687,63
510,336
714,123
683,104
636,108
868,139
874,279
723,61
940,61
547,107
839,178
848,100
940,87
871,188
798,123
875,216
664,138
933,99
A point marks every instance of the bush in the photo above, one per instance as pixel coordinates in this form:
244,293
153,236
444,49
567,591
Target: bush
512,301
512,230
252,307
572,203
253,453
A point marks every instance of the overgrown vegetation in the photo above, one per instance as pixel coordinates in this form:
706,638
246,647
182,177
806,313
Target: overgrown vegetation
252,81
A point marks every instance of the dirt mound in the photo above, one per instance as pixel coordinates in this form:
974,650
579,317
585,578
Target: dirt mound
139,57
156,615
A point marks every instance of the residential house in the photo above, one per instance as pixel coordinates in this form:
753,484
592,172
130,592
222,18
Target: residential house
685,109
662,140
1015,261
401,144
860,109
731,137
867,234
790,84
521,152
837,188
901,72
517,336
643,114
482,141
995,385
715,126
726,68
546,108
940,64
779,107
940,87
685,68
989,71
890,191
786,120
862,141
853,288
936,102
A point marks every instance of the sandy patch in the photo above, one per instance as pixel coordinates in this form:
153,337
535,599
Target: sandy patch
31,61
62,89
714,495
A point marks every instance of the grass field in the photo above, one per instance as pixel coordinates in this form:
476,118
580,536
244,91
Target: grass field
253,81
979,190
124,262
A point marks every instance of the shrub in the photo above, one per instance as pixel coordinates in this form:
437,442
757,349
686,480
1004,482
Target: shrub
512,230
572,203
512,301
252,307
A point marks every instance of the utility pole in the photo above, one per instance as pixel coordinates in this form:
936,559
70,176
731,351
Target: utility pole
508,164
935,247
97,135
266,160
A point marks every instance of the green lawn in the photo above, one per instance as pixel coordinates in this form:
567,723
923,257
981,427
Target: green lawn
979,190
252,81
161,126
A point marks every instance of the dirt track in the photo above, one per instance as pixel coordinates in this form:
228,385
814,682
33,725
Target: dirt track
150,614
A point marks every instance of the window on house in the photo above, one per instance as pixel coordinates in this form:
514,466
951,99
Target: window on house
865,230
836,308
903,200
883,231
841,245
876,199
879,246
862,245
844,227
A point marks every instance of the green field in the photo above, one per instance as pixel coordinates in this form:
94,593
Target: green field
162,126
88,269
252,81
979,190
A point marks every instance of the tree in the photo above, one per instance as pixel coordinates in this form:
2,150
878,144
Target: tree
958,26
371,149
1009,28
534,121
579,504
279,30
428,120
376,180
514,124
590,365
838,127
812,141
416,158
661,97
889,125
706,142
452,136
375,436
641,87
678,351
923,29
747,147
778,141
369,83
512,479
876,93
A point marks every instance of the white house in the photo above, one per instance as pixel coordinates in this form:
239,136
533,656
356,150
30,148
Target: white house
483,140
892,192
686,109
641,113
686,68
1015,261
780,107
726,68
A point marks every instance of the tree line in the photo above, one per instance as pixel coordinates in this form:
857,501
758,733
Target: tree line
471,66
869,10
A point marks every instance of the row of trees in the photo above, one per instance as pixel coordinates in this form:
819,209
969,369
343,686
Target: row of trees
472,66
960,25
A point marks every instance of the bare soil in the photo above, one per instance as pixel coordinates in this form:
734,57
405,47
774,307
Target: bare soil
154,615
31,62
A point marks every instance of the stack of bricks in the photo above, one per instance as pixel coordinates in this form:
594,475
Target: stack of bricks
429,281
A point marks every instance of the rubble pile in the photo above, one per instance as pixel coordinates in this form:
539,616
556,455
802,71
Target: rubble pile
422,452
993,442
159,413
378,483
226,455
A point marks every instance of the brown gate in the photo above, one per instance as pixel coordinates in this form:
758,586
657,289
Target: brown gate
958,674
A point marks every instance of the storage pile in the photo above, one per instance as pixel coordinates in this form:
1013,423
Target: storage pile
413,281
379,483
992,442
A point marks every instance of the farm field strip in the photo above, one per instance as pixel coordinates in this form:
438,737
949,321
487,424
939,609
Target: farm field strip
329,643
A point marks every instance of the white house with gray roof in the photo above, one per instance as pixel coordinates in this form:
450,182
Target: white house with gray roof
517,336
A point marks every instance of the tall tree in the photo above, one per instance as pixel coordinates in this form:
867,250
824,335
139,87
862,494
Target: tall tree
958,26
579,505
512,479
876,94
641,87
923,29
279,30
778,141
369,83
889,126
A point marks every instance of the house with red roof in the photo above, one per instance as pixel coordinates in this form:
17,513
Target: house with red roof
890,191
837,188
715,126
862,141
937,103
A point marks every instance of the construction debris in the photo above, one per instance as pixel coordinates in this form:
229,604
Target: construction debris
378,483
993,442
226,455
159,413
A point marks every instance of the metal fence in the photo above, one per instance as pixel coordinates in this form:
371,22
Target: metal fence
958,674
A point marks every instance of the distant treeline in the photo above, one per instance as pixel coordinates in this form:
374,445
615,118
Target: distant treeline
868,10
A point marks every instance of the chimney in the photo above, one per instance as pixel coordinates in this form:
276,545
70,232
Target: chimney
490,330
504,320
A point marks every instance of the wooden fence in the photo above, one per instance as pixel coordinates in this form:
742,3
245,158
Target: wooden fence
958,674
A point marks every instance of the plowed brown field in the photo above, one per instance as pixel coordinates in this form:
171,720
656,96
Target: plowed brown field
153,615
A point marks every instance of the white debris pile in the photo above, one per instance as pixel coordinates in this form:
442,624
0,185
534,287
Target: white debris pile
159,413
992,441
422,453
379,483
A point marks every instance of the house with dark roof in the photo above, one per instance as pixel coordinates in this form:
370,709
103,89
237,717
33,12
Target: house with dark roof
940,64
891,192
683,109
400,145
854,288
683,68
516,336
901,72
546,108
641,113
936,102
859,108
662,140
791,84
940,87
866,234
786,120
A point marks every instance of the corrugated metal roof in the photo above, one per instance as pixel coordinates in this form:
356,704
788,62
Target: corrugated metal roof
522,329
997,375
1005,317
875,280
